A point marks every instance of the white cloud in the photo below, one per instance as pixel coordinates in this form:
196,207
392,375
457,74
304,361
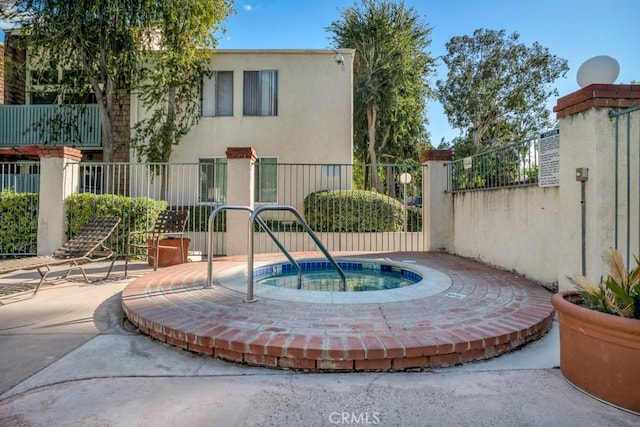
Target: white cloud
247,7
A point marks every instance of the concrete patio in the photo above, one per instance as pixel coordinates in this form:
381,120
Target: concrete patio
69,358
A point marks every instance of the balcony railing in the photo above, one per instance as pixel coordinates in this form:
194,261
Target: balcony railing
71,125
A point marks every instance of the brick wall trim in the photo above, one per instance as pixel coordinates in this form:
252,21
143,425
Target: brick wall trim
598,96
241,153
61,152
440,155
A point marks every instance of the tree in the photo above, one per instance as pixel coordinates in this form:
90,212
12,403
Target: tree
390,69
496,88
104,43
169,84
98,41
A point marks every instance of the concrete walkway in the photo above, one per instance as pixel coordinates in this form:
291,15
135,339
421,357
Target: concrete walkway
67,357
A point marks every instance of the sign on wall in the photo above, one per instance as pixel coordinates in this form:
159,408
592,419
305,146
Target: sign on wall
467,162
549,159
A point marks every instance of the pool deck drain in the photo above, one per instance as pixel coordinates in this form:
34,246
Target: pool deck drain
484,313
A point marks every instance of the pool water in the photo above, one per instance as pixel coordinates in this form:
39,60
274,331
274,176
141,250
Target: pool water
321,276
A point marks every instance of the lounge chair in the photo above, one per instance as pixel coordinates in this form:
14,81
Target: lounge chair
170,224
85,247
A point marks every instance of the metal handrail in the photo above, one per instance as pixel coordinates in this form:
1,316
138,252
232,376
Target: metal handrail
306,228
262,224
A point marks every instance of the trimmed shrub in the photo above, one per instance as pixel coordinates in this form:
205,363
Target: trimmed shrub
18,222
353,211
138,213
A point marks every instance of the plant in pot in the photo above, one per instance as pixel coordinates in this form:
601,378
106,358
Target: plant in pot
600,334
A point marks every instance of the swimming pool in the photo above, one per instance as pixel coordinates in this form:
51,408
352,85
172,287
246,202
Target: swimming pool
322,276
431,283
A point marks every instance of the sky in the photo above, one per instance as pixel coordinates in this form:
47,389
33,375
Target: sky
575,30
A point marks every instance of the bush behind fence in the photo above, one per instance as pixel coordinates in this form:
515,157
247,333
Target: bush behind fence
137,192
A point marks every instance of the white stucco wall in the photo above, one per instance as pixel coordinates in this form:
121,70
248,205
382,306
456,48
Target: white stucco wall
588,140
315,108
516,229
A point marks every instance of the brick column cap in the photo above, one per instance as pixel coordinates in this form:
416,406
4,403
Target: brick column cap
61,152
241,153
441,155
598,96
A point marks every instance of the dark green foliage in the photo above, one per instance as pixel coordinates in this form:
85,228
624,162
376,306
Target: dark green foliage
138,213
618,292
496,89
277,226
18,222
353,211
391,68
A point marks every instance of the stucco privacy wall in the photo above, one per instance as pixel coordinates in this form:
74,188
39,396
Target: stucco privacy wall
588,137
513,228
538,231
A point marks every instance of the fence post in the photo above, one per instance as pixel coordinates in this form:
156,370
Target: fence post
58,172
240,161
587,140
437,204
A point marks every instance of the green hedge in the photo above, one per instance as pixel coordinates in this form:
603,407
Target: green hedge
18,222
138,213
353,211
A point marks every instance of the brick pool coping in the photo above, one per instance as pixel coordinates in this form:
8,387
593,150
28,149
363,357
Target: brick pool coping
484,313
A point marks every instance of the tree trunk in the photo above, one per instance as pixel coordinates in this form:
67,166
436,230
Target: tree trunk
105,101
391,182
371,147
168,136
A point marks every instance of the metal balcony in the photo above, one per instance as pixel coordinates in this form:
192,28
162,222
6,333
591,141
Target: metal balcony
71,125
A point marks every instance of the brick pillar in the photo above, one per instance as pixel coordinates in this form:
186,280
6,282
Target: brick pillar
240,161
15,71
587,136
58,179
122,127
121,140
437,204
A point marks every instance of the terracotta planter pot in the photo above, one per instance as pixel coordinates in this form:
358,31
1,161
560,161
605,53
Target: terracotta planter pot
169,257
599,353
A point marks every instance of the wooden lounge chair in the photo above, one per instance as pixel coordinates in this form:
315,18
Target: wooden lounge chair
169,224
85,247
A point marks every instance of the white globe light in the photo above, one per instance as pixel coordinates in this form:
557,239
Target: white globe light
405,178
599,69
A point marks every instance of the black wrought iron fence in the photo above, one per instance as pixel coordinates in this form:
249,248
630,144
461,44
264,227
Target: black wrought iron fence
513,165
627,181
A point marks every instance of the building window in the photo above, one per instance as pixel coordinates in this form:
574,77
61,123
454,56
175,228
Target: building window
43,98
45,87
217,94
44,76
260,96
266,180
213,180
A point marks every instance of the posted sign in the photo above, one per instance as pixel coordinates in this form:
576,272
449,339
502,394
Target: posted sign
549,159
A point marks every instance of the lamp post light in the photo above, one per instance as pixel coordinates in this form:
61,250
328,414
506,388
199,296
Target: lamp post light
405,178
